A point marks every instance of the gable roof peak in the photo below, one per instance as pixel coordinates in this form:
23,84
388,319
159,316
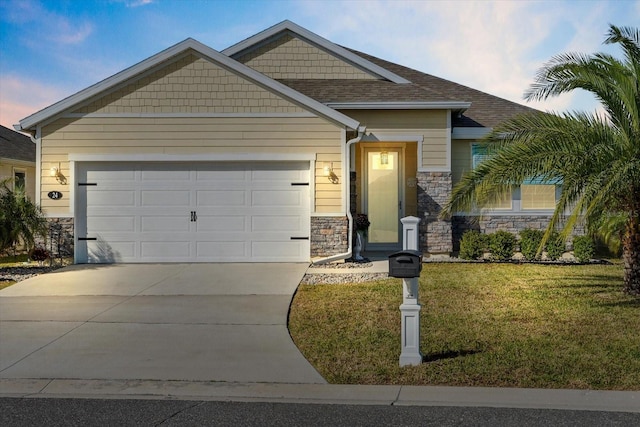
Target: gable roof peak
290,27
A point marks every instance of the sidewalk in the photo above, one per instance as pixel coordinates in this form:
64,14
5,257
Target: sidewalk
585,400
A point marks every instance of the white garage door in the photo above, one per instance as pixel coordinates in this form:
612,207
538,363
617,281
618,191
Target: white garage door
179,212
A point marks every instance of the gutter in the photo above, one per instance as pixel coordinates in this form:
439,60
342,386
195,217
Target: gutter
347,192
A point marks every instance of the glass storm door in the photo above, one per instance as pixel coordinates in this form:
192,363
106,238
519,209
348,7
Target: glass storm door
383,199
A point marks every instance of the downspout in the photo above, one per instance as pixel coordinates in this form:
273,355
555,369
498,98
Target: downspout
346,161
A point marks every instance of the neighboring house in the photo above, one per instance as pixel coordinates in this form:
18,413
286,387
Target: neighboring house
262,152
18,160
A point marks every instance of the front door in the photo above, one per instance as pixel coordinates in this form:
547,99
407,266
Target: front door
383,202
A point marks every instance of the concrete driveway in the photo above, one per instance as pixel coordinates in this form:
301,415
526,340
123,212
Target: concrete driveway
191,322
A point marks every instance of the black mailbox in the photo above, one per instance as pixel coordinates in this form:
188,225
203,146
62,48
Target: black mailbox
405,264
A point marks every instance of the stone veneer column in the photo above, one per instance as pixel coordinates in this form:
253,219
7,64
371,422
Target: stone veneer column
434,189
329,235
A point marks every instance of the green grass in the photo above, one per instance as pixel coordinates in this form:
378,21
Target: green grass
481,325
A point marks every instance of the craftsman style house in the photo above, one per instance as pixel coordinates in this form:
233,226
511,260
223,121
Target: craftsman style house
265,152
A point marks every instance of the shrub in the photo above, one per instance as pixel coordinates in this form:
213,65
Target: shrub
39,254
472,244
583,248
555,246
530,243
501,245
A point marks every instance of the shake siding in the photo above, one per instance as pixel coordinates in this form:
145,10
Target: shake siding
292,58
431,125
190,85
188,136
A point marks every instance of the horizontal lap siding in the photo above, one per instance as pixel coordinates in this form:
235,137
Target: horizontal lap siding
430,124
189,136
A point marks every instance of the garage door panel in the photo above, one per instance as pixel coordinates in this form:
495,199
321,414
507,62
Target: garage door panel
276,198
160,249
276,223
220,223
221,198
265,251
207,212
165,198
101,224
164,223
222,250
111,198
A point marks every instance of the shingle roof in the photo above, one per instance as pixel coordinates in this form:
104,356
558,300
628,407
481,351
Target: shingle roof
486,110
17,146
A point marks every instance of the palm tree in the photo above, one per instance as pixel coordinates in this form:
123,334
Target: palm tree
20,219
595,158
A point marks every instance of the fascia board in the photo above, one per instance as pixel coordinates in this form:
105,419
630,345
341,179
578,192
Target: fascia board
444,105
469,132
214,56
319,41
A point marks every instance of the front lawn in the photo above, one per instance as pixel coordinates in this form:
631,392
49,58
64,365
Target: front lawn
503,325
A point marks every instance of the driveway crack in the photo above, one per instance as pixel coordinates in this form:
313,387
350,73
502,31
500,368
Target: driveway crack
181,411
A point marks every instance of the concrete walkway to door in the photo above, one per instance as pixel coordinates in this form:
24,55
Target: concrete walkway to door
190,322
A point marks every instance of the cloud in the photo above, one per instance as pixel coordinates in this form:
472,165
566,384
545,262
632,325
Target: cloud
22,97
493,46
47,25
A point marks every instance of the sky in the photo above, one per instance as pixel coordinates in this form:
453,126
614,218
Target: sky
52,49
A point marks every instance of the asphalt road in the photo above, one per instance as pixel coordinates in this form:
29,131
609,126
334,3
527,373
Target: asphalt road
114,412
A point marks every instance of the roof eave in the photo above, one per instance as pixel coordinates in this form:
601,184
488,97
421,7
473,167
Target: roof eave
437,105
287,25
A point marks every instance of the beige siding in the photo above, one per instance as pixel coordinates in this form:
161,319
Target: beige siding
292,58
121,136
190,85
460,158
431,125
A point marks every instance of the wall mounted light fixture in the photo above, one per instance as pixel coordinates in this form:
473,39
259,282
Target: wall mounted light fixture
327,168
55,172
384,157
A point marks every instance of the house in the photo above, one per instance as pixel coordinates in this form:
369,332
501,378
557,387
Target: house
18,160
264,152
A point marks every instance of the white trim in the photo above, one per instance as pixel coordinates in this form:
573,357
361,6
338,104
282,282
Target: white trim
187,115
434,169
38,140
135,71
208,157
436,105
59,216
448,141
292,28
470,133
328,215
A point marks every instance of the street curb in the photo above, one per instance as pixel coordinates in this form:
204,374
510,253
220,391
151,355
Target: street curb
584,400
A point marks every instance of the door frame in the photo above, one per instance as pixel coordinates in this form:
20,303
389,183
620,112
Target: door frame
365,148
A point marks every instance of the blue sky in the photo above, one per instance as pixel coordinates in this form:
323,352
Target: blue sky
52,49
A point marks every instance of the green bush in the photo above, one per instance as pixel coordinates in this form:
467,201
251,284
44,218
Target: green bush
583,248
530,243
472,244
502,245
555,246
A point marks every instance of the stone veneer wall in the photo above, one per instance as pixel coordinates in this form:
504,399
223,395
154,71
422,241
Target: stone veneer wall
511,223
60,237
329,235
434,189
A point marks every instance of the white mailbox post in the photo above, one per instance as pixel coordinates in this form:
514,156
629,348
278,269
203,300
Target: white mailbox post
410,308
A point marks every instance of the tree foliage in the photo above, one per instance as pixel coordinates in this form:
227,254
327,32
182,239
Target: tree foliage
21,220
595,157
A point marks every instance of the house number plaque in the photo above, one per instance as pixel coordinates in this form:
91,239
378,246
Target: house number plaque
55,195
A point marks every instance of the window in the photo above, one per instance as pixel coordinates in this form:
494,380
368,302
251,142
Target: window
538,196
20,179
533,194
478,155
